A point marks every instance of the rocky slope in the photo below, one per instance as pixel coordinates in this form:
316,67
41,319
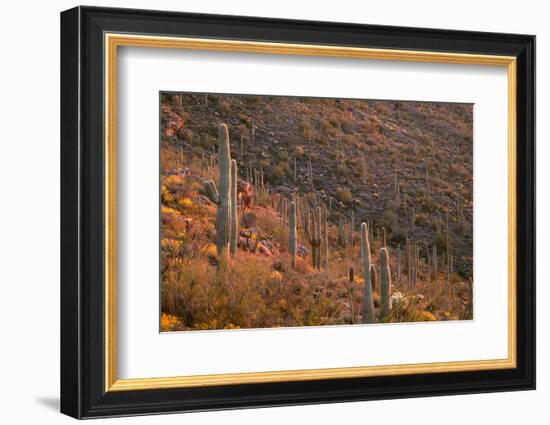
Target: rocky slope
405,166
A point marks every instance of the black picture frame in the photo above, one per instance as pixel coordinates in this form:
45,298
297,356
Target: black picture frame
82,212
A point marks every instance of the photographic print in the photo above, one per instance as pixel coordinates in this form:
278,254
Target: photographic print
280,211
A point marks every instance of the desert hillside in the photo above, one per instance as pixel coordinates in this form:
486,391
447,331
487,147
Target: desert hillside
402,168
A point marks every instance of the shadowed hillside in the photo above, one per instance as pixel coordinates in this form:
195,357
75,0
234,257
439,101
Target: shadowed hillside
402,168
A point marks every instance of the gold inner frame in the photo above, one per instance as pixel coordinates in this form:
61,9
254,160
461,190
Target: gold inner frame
113,41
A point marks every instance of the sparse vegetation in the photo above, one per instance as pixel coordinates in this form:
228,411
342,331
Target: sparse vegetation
280,212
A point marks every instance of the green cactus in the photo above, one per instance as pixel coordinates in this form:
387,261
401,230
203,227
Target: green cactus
351,278
368,304
352,228
324,229
428,264
434,259
234,222
222,198
409,264
313,232
292,234
385,283
398,264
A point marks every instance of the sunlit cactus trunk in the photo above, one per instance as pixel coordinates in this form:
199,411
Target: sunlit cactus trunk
325,236
399,264
368,304
313,232
222,197
292,234
317,237
385,283
434,258
234,232
352,228
351,278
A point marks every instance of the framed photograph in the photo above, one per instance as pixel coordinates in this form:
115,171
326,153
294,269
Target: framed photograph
261,212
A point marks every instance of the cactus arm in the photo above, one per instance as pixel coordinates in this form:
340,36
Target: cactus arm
212,191
292,234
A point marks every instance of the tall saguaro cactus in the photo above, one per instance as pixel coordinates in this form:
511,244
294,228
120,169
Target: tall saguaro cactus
385,283
222,198
399,264
434,259
313,232
351,278
368,304
292,238
234,231
324,231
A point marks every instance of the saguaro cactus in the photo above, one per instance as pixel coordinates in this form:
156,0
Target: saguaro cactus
222,198
324,230
234,231
351,278
428,264
385,283
434,259
409,264
352,228
399,264
292,238
313,232
368,304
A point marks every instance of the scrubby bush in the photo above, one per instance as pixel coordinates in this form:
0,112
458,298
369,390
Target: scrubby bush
344,195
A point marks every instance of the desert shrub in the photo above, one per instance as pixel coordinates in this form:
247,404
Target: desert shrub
367,126
274,174
409,310
344,195
390,220
429,205
223,107
422,220
283,155
461,227
253,100
347,124
208,297
315,308
169,323
398,236
187,135
353,140
392,205
326,126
